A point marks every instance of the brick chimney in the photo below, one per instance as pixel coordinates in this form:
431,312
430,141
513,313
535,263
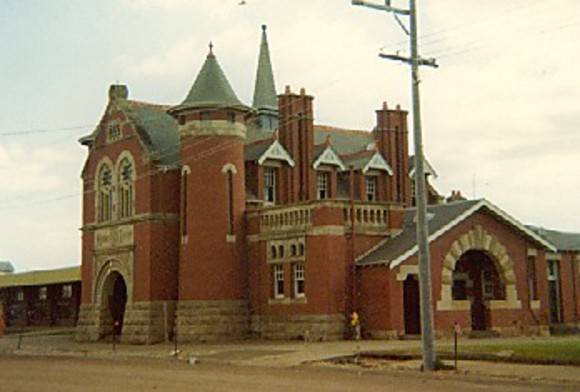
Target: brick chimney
118,91
296,134
391,137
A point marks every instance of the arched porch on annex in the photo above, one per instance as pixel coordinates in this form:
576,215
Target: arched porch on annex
478,276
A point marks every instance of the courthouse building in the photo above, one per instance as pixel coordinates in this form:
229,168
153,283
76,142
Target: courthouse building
215,219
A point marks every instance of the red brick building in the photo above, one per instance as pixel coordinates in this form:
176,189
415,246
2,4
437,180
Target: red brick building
213,219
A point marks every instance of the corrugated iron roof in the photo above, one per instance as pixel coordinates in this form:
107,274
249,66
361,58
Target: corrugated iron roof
42,278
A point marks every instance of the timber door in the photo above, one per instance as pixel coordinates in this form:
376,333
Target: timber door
411,303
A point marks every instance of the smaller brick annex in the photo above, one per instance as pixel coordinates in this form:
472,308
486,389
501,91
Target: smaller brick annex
211,219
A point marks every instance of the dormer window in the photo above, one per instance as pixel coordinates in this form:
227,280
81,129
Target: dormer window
371,188
113,132
270,185
322,186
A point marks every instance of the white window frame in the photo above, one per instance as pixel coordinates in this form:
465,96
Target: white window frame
322,185
299,273
278,274
371,188
66,291
43,293
20,295
487,285
270,180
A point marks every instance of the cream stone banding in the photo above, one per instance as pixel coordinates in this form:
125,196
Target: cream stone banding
479,239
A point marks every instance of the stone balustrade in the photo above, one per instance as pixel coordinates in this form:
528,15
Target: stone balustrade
367,215
286,218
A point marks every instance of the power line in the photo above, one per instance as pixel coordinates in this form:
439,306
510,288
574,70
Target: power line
40,130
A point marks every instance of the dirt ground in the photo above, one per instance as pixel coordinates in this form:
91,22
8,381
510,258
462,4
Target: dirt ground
23,373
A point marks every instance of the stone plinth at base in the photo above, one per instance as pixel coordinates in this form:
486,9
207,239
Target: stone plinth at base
210,321
304,327
144,322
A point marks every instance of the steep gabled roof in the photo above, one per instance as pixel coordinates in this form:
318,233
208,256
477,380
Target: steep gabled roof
158,129
367,160
265,89
441,219
563,241
429,170
261,150
324,154
344,141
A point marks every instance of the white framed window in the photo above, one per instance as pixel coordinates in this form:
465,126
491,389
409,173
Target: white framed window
322,186
371,188
66,291
299,280
278,270
487,286
270,184
20,295
125,189
42,293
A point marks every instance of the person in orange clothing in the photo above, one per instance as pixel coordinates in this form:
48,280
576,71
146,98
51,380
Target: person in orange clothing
355,324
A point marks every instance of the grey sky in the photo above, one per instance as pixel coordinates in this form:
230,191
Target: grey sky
502,109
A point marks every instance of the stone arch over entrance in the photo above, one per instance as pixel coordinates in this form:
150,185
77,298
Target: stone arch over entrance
479,240
113,291
112,265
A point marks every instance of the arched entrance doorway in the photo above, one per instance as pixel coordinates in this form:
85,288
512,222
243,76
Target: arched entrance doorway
114,298
411,303
477,279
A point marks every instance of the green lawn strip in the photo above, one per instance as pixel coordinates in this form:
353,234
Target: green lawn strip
557,352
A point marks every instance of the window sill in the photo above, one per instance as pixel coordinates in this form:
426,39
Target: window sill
287,301
230,238
535,304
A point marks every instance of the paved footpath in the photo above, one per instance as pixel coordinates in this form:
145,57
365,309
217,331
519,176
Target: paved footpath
283,355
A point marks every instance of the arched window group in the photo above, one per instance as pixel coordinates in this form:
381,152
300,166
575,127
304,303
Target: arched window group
115,189
105,194
125,190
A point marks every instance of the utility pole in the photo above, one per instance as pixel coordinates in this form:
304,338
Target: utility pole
420,187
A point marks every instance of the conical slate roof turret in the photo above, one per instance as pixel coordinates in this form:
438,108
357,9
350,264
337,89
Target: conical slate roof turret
265,89
211,87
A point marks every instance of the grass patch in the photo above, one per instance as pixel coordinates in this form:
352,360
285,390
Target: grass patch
553,351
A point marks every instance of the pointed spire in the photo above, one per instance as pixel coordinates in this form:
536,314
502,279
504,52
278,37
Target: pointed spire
265,89
211,87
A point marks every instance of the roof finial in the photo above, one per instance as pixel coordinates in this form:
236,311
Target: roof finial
327,142
264,28
210,49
